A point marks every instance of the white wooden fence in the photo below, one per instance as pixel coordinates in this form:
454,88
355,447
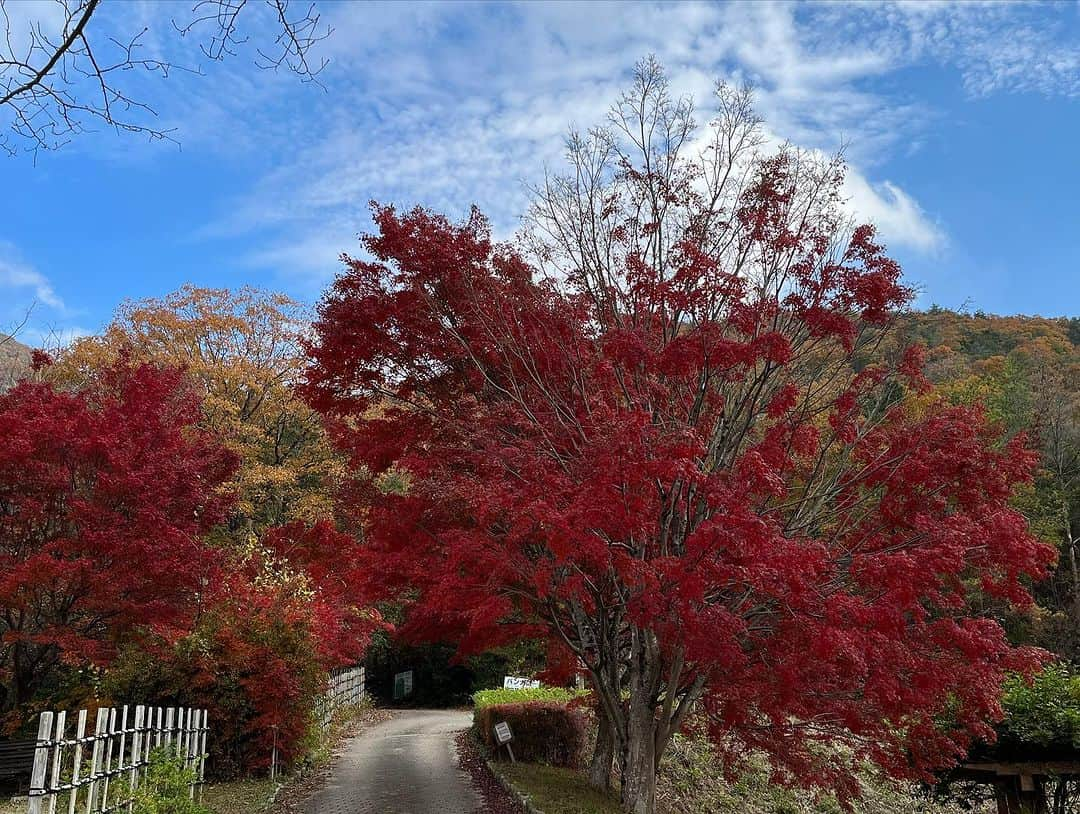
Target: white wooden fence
96,772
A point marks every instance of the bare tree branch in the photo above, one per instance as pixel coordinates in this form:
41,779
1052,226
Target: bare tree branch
60,74
76,33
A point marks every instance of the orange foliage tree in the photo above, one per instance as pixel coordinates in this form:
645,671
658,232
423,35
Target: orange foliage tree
241,348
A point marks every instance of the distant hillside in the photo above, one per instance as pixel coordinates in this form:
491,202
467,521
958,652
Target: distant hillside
964,344
14,361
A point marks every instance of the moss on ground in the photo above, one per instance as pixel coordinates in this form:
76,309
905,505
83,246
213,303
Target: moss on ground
557,791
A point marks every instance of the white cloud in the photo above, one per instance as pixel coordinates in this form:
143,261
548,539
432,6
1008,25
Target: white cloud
898,217
448,104
997,46
29,305
22,278
50,337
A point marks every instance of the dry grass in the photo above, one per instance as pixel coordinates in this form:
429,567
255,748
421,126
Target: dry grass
240,796
691,782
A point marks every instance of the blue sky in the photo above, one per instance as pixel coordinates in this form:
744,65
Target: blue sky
961,123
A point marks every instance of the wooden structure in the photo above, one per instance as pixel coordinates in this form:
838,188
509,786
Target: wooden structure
90,771
16,759
1022,774
344,688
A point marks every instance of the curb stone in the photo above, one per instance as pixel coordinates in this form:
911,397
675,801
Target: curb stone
526,802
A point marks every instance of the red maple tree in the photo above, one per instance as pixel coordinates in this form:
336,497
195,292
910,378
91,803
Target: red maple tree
105,493
654,431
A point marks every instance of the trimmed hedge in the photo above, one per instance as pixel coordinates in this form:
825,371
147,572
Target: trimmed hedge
544,731
562,695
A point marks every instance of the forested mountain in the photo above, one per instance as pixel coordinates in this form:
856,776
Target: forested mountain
14,360
1026,371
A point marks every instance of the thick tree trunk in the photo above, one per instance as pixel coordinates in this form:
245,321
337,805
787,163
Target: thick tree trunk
22,676
639,761
639,742
30,664
641,705
603,754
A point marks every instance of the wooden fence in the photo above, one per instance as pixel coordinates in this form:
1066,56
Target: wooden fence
94,773
345,688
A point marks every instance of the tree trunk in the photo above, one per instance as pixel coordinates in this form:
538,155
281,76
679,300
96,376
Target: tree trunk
639,761
23,679
1075,569
603,753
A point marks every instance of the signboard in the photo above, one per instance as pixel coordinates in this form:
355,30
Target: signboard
502,733
403,685
518,683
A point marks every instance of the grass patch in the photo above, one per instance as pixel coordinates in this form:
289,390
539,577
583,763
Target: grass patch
239,796
487,698
557,791
236,797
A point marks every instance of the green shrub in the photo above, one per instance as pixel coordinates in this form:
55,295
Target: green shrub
1046,711
487,698
544,731
164,789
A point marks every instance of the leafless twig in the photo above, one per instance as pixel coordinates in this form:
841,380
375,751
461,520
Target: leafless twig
60,73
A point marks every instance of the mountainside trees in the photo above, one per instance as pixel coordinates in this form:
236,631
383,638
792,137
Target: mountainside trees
653,436
1026,371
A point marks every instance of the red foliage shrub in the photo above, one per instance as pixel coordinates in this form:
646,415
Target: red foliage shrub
544,732
327,562
270,628
647,431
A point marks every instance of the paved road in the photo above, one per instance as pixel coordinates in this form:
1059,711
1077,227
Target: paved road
407,765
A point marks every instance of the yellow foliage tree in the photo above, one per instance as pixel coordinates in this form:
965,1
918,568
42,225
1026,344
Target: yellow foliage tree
242,348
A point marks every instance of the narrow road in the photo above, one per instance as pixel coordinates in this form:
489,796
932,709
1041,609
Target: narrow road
407,765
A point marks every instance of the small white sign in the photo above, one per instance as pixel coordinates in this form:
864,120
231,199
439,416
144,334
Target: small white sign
518,683
502,732
403,685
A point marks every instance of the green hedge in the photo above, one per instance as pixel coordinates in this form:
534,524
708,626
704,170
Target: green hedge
561,695
544,731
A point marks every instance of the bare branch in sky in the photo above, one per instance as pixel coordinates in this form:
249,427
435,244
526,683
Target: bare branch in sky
61,74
